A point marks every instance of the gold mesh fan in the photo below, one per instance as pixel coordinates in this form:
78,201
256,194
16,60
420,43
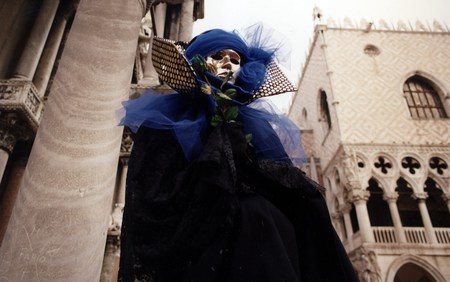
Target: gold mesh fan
275,82
172,67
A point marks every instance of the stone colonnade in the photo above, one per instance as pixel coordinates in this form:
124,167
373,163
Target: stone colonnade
58,226
360,198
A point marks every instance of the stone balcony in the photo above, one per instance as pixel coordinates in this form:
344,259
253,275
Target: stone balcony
385,236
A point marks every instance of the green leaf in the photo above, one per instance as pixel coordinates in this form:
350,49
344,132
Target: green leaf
231,113
216,119
223,96
199,64
206,89
248,137
231,93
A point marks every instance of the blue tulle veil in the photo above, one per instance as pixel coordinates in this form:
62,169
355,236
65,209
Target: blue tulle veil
274,136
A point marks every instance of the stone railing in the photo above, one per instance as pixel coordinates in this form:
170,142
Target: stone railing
414,235
21,97
384,234
442,235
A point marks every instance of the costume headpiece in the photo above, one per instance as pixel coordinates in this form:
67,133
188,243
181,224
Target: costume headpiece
259,76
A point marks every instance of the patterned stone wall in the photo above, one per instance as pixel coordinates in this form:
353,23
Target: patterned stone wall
368,88
305,110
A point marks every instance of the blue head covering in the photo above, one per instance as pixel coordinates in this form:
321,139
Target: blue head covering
253,60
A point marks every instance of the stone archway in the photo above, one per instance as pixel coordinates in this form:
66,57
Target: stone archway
411,268
411,272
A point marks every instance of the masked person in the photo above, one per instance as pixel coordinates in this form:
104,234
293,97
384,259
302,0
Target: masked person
213,188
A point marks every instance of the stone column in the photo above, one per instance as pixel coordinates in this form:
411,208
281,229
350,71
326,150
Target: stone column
345,209
160,11
64,204
313,168
110,262
391,198
29,60
12,128
186,20
49,54
429,231
9,196
359,198
446,197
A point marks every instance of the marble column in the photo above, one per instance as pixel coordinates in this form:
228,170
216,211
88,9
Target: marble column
9,196
29,60
12,128
429,231
58,228
359,198
391,198
446,197
47,61
345,209
160,11
186,20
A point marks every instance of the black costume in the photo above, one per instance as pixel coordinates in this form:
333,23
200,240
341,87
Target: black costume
225,215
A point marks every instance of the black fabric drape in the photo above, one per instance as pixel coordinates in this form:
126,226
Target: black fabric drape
224,216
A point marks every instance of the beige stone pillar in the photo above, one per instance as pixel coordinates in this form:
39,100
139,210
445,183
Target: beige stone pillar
313,168
446,197
57,231
12,128
345,209
429,231
10,194
160,11
391,198
47,61
110,261
359,198
186,20
29,59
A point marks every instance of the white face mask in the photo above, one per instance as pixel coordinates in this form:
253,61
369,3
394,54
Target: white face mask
223,62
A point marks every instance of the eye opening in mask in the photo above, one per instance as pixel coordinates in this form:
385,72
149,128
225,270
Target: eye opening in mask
233,56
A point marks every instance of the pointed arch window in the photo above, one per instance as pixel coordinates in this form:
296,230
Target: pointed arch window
423,99
377,207
325,116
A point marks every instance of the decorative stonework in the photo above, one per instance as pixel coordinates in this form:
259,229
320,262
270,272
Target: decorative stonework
390,197
145,36
21,97
420,196
366,263
12,129
127,143
358,195
419,26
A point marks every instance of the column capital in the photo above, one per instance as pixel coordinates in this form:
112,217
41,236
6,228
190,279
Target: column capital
390,197
345,208
446,196
359,195
420,196
127,142
12,129
22,98
336,215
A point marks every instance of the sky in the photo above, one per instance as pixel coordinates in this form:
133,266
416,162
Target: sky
294,18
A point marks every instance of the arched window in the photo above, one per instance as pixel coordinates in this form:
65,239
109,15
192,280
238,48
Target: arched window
422,98
378,208
437,208
325,117
413,272
407,206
